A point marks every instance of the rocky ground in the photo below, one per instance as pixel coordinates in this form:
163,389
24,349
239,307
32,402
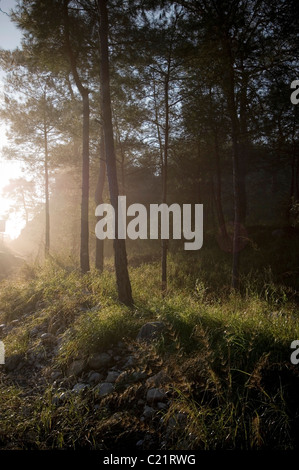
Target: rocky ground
128,382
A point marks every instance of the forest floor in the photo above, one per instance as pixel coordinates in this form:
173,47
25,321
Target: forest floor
203,368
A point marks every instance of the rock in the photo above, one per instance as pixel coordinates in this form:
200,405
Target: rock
56,374
161,406
56,401
148,412
177,421
161,378
130,362
104,389
94,378
48,338
129,377
64,396
150,331
97,361
112,376
80,387
77,367
154,395
34,332
13,362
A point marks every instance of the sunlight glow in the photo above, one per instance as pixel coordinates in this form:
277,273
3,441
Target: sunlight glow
9,170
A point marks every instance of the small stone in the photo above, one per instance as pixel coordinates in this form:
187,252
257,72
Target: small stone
155,395
161,406
13,362
56,375
148,412
104,388
48,338
97,361
130,362
64,396
178,420
94,378
161,378
34,331
80,387
112,376
55,401
77,367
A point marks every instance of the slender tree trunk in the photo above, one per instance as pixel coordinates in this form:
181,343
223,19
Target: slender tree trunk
47,202
218,196
99,259
84,247
164,186
294,186
230,96
122,157
198,188
84,92
243,145
120,255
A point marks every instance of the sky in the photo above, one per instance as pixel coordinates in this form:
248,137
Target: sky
10,38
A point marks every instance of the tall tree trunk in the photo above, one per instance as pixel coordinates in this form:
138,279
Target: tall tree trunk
84,247
47,202
232,108
164,185
122,157
99,259
218,197
84,92
243,145
120,255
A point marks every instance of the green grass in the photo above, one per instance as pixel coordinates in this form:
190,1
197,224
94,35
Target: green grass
229,352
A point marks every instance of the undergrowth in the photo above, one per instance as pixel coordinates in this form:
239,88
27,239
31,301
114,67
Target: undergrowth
233,385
